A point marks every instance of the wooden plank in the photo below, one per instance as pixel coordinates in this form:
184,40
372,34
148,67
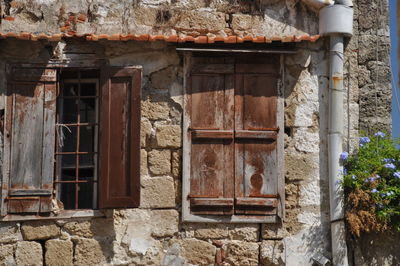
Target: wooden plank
30,192
253,134
211,202
213,69
47,177
212,134
27,136
119,137
34,74
257,69
23,204
270,202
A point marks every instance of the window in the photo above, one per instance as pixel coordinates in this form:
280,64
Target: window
71,135
233,146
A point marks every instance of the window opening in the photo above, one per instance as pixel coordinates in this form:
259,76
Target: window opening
77,140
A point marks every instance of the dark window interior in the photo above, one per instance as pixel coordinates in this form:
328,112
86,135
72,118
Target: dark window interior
77,137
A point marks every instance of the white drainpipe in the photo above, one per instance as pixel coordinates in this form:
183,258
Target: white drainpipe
336,21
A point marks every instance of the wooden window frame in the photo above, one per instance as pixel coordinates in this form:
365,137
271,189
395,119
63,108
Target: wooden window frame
187,216
135,72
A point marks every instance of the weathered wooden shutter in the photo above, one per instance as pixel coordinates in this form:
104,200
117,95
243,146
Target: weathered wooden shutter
232,143
256,132
29,140
211,135
120,137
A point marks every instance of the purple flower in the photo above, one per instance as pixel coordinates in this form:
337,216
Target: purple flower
396,174
374,190
353,177
370,179
344,155
364,140
390,166
388,160
389,193
380,134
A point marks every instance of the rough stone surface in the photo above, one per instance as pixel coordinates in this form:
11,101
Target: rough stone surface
207,231
168,136
58,252
88,252
274,231
143,162
9,233
160,162
195,251
242,253
29,253
272,253
38,230
155,110
165,223
176,163
7,254
158,192
145,132
89,228
247,232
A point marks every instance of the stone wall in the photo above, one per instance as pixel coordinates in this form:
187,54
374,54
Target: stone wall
154,234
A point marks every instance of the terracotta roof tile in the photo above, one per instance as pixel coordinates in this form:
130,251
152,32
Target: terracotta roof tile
168,38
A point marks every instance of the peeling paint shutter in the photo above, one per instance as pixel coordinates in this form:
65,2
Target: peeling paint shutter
120,137
211,134
256,132
29,139
231,111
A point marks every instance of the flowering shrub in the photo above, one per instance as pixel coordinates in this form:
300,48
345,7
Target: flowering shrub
371,184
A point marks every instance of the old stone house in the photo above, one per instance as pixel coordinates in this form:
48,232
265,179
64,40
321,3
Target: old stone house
186,132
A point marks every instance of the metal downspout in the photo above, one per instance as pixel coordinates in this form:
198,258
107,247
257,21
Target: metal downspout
336,22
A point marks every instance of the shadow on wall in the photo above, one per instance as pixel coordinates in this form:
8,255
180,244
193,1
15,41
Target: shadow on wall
377,249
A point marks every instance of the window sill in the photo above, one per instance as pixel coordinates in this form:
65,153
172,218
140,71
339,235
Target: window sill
65,214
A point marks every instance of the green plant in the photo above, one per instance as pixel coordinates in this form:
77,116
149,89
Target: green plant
371,185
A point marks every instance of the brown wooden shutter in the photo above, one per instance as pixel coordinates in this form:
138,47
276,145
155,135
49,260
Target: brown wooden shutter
120,137
211,133
29,140
256,132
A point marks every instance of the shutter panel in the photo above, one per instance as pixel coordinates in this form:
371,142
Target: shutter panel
256,131
120,137
211,136
29,141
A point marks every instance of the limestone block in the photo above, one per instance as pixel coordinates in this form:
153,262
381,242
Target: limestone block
242,253
244,232
9,233
79,228
301,166
58,252
145,132
88,252
273,231
38,230
209,231
143,162
306,140
165,222
158,192
196,252
160,162
176,163
310,194
29,253
201,21
272,253
241,22
164,78
168,136
7,254
95,227
155,110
